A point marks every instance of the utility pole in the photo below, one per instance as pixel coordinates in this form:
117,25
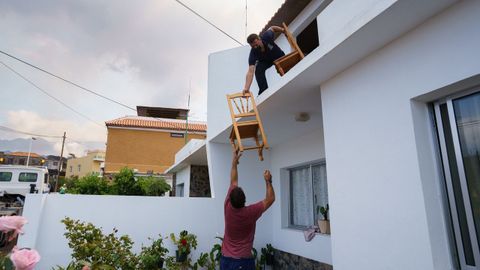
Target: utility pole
30,149
60,164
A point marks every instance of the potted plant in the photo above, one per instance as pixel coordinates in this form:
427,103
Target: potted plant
153,257
268,254
324,224
185,242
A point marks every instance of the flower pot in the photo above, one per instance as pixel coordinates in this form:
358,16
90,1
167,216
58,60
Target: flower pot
269,259
181,256
324,226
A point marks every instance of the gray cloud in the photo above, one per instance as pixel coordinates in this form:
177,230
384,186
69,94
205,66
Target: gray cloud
136,52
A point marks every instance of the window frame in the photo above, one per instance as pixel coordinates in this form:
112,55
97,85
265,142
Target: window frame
11,176
309,165
27,173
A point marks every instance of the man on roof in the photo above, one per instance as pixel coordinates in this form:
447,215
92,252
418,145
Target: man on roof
264,51
240,221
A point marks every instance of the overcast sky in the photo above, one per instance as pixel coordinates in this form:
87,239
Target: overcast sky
136,52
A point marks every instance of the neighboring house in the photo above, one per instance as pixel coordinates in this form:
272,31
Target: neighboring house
90,163
53,163
20,158
147,144
191,171
392,94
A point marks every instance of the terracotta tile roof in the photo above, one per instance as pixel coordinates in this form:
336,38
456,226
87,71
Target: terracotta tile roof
23,154
157,123
287,13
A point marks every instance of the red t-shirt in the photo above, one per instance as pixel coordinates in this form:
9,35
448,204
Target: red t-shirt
240,228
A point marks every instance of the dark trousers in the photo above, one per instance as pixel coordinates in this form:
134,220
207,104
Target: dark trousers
260,69
227,263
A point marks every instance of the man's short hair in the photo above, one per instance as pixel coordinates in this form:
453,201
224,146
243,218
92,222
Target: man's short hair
237,197
252,38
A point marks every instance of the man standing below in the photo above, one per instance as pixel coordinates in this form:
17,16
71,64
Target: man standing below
240,222
264,51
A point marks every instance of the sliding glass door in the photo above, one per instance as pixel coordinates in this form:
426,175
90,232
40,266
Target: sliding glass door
458,126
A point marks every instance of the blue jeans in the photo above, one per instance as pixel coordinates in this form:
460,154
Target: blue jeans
260,69
227,263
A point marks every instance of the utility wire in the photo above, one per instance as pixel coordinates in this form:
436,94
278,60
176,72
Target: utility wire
194,12
7,129
67,81
46,93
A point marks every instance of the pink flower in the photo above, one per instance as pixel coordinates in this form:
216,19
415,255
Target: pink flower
24,259
12,223
85,267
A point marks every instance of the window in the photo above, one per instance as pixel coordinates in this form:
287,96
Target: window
5,176
55,163
27,177
79,167
21,161
179,190
71,168
458,128
308,191
307,40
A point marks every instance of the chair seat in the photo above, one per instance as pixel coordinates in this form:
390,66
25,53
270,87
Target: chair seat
286,62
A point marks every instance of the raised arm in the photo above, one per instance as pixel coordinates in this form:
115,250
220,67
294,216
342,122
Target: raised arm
270,193
276,29
234,171
249,79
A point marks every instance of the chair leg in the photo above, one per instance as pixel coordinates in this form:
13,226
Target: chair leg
260,148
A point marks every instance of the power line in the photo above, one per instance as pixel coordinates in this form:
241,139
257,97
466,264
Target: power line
67,81
194,12
46,93
7,129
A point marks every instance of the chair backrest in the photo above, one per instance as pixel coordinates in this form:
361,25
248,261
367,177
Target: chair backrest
241,104
292,41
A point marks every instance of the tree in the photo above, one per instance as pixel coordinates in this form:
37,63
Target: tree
124,183
152,186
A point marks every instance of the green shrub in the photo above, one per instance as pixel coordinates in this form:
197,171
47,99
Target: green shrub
90,184
152,256
90,246
152,186
124,183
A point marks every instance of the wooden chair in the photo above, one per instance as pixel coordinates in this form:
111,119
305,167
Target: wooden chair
246,123
286,62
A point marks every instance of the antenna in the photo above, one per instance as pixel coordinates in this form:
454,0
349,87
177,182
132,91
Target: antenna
246,17
188,110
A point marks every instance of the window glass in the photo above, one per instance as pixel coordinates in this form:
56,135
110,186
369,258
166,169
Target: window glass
320,189
179,190
5,176
308,189
27,177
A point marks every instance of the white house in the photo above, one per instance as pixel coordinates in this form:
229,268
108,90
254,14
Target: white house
190,170
392,141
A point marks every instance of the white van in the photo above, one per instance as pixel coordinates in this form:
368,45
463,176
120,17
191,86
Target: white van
20,180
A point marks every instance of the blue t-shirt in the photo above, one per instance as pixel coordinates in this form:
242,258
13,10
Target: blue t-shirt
272,51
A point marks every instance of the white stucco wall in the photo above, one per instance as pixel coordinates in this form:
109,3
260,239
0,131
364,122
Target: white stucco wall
385,208
139,217
304,149
183,177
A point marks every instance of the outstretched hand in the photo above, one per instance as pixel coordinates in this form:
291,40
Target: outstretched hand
267,176
236,155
